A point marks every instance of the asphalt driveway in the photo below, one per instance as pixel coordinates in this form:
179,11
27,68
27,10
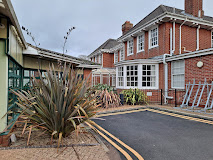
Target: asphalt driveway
162,137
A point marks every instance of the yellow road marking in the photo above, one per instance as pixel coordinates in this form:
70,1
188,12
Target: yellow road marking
119,141
160,112
118,113
186,117
128,157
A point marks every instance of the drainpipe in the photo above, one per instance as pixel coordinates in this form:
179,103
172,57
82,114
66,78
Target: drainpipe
198,41
165,76
171,49
180,35
174,37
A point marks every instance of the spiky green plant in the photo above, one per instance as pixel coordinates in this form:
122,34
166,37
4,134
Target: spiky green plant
57,105
102,87
133,96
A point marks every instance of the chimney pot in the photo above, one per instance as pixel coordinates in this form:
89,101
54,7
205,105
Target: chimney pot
126,27
194,7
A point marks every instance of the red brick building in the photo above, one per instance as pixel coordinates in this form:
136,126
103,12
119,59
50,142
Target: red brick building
166,50
107,56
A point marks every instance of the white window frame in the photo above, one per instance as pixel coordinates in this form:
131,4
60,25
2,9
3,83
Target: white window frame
143,43
130,77
139,76
115,57
131,41
150,37
96,59
176,74
122,54
212,38
100,58
120,76
149,76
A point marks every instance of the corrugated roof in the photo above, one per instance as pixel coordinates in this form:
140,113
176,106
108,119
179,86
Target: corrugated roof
82,61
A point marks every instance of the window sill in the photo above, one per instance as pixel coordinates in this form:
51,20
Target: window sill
140,51
179,89
130,54
153,46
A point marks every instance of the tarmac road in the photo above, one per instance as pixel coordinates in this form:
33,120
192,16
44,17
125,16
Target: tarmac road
161,137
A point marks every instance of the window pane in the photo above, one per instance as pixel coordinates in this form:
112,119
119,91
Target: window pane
178,69
132,76
148,76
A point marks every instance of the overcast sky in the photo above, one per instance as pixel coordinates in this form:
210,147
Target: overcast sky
95,20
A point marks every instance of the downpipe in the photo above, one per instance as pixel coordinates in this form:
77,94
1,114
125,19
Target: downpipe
165,77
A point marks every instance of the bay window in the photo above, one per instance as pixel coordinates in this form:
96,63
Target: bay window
178,74
142,76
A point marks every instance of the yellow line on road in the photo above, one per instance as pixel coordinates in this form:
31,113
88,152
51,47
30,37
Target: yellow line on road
118,113
119,141
128,157
160,112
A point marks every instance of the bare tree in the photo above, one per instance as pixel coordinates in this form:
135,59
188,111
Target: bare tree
83,57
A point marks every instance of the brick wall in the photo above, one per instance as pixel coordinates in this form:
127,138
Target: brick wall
191,72
87,73
188,40
108,60
193,6
4,140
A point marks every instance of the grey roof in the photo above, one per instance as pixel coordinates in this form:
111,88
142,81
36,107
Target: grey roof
110,43
157,57
164,9
82,61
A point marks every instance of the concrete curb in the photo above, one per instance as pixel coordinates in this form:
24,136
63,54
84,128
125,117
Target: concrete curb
122,110
48,146
161,109
98,139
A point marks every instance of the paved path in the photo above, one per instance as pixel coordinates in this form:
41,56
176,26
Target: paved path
162,137
84,153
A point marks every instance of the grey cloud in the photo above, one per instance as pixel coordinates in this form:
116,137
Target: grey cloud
95,20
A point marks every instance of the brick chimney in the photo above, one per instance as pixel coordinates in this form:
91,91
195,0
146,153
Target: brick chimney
194,7
126,27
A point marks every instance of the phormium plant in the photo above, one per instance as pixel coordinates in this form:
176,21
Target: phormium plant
57,105
108,99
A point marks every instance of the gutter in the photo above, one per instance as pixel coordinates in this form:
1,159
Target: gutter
137,61
190,55
163,15
15,20
141,27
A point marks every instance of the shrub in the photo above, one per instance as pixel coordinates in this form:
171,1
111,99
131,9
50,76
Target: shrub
102,87
108,99
133,96
57,105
